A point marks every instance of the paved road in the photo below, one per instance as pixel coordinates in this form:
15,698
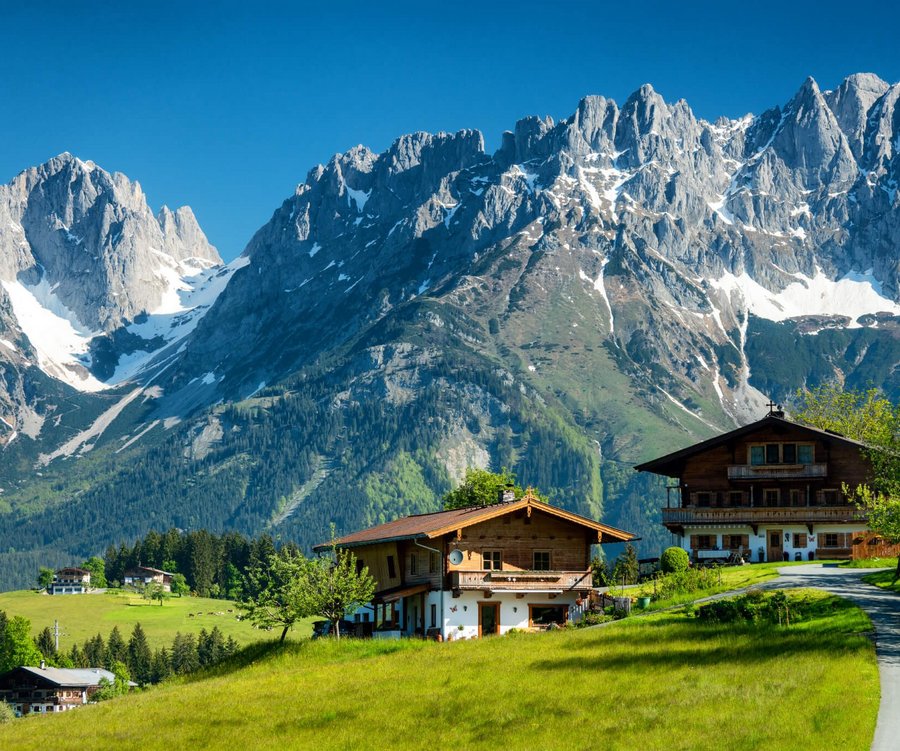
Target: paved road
883,608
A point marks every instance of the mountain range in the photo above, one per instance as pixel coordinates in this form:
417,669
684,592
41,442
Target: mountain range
597,291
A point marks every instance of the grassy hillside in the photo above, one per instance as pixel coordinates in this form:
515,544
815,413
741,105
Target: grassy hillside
662,682
82,616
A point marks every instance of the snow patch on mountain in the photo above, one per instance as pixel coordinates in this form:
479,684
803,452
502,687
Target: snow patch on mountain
854,295
58,337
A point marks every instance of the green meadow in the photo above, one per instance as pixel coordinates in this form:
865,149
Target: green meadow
82,616
666,681
884,579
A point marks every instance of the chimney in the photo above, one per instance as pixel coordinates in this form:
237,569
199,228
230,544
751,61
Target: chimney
43,664
507,494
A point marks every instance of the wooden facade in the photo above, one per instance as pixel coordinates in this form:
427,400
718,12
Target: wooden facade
772,490
479,571
33,690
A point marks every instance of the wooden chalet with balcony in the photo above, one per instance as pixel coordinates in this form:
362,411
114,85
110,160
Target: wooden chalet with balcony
769,491
39,690
477,571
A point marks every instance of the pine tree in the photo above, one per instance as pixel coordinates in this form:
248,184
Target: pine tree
139,656
95,652
76,655
116,649
210,647
184,657
160,666
45,642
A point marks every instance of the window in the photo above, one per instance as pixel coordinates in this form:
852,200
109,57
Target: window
799,539
736,498
359,566
702,499
771,496
493,560
413,564
735,542
703,542
781,453
433,563
831,540
541,560
830,497
392,569
796,498
433,615
789,453
544,615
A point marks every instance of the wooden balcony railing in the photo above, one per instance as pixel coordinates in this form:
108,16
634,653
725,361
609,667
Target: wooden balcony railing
777,471
774,515
511,581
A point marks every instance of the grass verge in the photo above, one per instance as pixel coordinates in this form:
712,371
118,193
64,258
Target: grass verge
883,579
663,682
871,563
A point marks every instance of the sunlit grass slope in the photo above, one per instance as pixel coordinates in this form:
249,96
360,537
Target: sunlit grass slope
82,616
662,682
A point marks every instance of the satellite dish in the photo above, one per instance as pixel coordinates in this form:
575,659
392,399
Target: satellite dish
456,557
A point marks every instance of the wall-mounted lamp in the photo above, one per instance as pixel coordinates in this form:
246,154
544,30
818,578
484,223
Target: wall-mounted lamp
515,609
465,607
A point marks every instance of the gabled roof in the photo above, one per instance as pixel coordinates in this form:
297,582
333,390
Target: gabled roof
670,464
146,570
429,526
68,677
73,570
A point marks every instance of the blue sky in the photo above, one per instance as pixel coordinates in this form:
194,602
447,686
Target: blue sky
225,106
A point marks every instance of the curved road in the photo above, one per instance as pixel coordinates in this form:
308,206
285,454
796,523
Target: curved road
883,607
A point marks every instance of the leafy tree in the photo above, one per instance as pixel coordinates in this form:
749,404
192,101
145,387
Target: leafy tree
116,649
481,487
334,586
872,419
109,689
277,592
139,656
7,713
45,577
155,591
179,585
97,566
16,645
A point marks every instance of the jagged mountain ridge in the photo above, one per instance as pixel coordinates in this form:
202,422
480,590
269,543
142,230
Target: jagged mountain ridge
593,291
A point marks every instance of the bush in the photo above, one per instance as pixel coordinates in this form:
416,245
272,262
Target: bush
674,560
7,713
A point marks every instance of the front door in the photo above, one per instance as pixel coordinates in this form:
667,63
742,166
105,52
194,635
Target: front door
775,547
488,618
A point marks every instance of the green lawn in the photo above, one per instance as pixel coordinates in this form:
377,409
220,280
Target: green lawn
883,579
664,682
731,577
871,563
83,616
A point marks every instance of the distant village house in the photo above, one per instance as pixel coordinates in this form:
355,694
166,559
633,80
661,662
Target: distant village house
45,689
141,576
70,581
769,491
478,571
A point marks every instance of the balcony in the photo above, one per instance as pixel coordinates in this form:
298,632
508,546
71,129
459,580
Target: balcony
777,471
521,581
680,517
